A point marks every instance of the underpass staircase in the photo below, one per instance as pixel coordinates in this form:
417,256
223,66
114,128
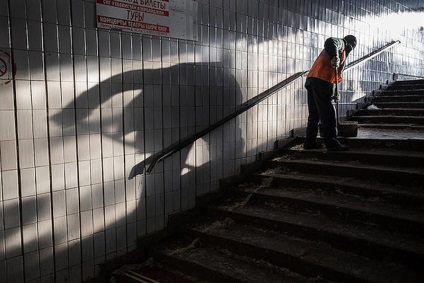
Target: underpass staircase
300,215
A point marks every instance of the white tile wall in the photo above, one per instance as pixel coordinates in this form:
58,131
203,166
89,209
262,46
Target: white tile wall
87,105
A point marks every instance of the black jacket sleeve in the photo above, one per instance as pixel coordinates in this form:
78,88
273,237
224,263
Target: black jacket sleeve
333,46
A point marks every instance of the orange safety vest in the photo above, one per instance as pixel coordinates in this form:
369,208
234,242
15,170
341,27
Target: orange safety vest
322,69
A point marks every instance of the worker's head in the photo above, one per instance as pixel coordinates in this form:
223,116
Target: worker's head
350,42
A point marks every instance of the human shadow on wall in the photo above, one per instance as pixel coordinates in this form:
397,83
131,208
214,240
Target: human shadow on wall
175,89
181,100
192,90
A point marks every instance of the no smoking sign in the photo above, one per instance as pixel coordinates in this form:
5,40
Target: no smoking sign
6,68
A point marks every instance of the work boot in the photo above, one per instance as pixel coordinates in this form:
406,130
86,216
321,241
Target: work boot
312,145
340,147
335,145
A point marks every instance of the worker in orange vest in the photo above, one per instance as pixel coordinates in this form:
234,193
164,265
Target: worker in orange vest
320,84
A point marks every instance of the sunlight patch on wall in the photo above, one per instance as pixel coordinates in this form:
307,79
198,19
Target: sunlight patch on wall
396,24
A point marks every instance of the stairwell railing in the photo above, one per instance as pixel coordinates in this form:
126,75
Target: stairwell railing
177,146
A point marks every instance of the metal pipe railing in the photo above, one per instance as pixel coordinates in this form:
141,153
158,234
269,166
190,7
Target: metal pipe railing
173,148
371,55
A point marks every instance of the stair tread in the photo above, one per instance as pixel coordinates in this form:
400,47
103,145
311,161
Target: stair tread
409,86
343,164
373,206
393,105
319,222
383,189
400,98
416,80
366,152
390,116
154,271
404,90
235,267
395,109
396,103
317,253
408,160
403,104
383,112
400,94
391,126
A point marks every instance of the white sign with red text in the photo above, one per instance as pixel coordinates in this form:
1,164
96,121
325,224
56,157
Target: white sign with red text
171,18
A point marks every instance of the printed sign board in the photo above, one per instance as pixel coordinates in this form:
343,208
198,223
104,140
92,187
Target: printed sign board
171,18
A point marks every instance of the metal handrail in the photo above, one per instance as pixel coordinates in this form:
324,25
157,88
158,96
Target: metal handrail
175,147
371,55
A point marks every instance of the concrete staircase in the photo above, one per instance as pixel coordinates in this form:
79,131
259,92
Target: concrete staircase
310,216
314,216
399,105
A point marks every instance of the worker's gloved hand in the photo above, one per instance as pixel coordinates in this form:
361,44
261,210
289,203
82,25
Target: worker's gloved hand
336,96
335,62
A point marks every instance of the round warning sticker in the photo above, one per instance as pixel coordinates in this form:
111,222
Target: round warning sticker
6,68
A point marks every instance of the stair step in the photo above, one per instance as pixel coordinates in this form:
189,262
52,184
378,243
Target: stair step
301,255
405,86
390,119
401,176
369,241
155,272
409,82
410,144
399,104
413,142
391,111
347,185
211,263
393,126
382,157
408,91
400,98
352,208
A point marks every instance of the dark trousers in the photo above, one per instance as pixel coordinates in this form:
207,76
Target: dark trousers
321,112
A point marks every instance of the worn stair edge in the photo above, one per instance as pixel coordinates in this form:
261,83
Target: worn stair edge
367,241
402,195
400,126
196,270
307,258
400,158
405,104
389,119
380,173
263,157
404,87
404,144
403,98
363,212
154,272
218,264
390,111
401,92
408,82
